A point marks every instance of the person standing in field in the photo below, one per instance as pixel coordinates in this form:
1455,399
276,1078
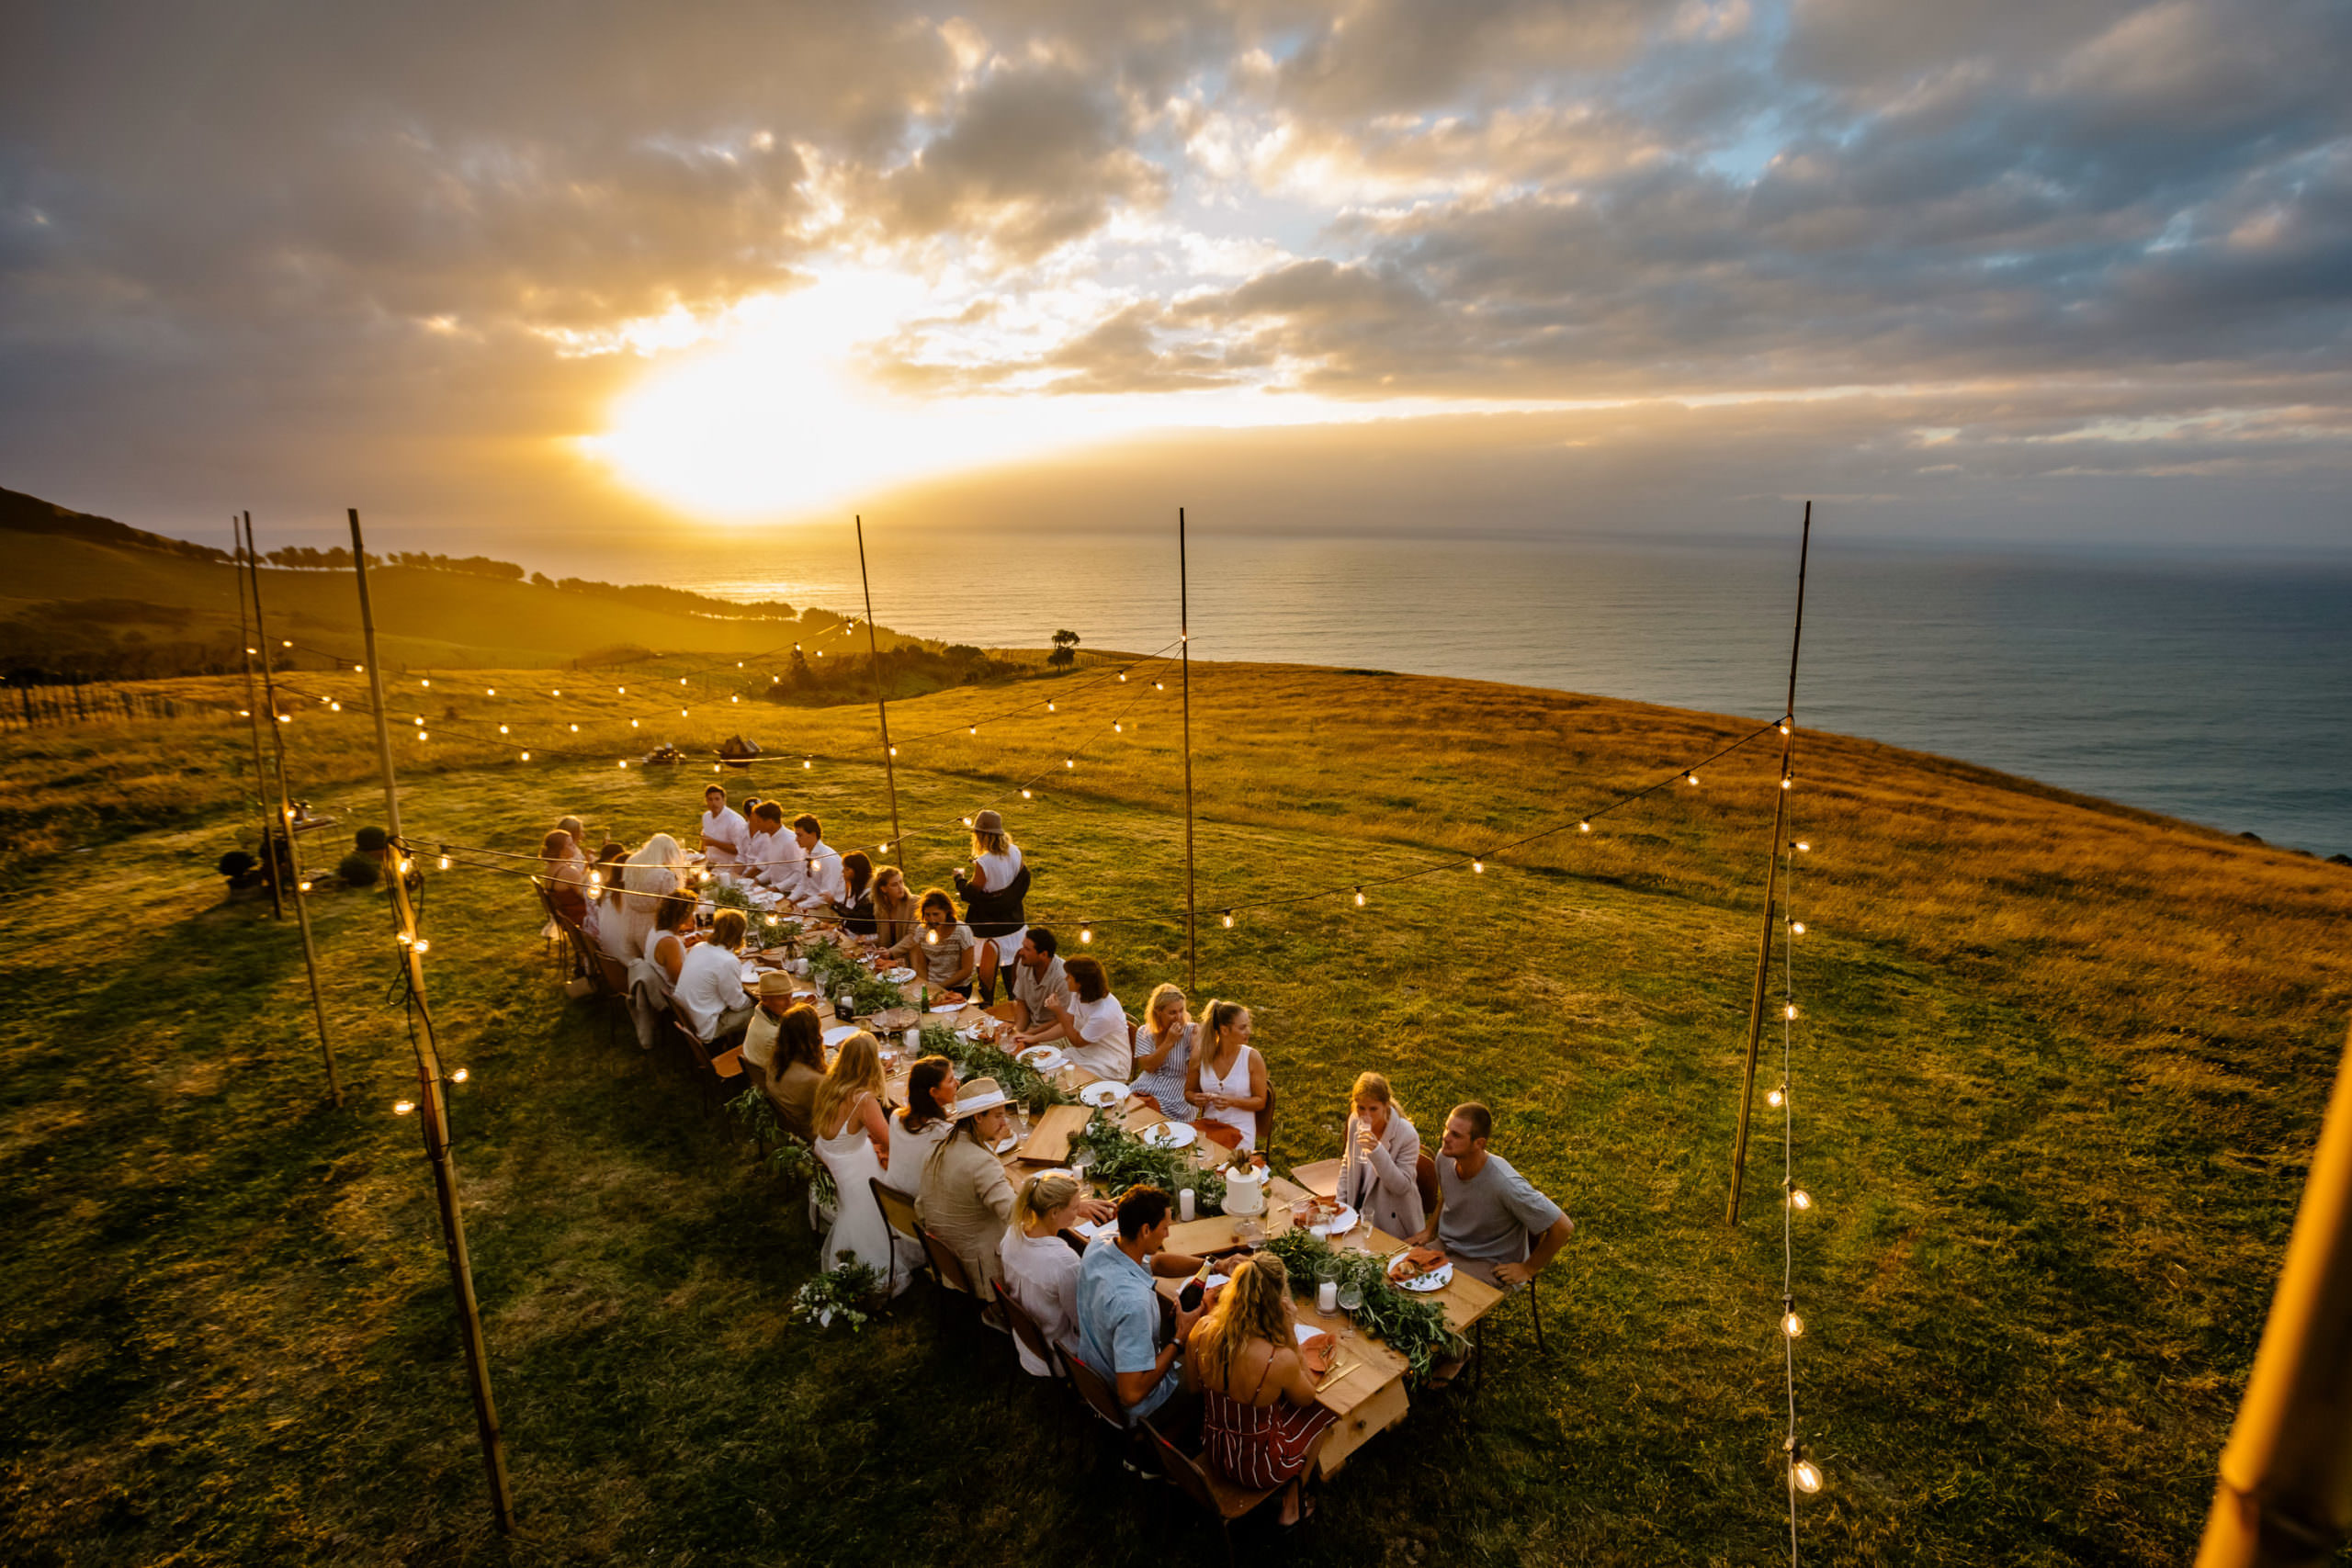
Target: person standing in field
725,834
1490,1223
993,887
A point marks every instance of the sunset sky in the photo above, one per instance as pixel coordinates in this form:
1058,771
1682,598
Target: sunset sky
536,273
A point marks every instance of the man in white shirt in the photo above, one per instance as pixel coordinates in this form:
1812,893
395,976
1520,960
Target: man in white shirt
768,853
816,880
710,981
725,834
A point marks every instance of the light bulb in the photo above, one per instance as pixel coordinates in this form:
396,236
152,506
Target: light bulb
286,719
734,699
1123,677
444,862
423,945
1584,827
1359,897
968,821
359,670
1804,847
624,763
245,713
738,664
1477,865
632,724
682,679
1792,1326
807,762
1229,917
931,937
420,721
1796,928
1793,1009
422,736
622,690
1118,728
306,887
771,919
559,693
596,879
1808,1475
402,1106
575,729
1776,1097
285,644
334,708
527,756
1050,706
1800,1200
1160,685
1784,729
682,713
1025,794
976,729
459,1076
1085,934
428,681
493,691
1690,779
501,729
406,866
1070,762
894,751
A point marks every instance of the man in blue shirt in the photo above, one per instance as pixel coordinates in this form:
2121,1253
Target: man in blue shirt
1119,1309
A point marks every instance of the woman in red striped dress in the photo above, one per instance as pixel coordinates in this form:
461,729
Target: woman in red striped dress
1257,1408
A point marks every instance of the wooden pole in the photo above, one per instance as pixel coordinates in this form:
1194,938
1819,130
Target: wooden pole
1184,647
432,1105
874,655
253,712
1772,889
2285,1492
286,822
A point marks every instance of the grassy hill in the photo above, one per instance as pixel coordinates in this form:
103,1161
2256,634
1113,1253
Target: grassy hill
2059,1069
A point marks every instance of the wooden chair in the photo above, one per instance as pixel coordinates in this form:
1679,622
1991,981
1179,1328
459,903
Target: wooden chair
1478,1332
705,1072
1425,1180
1100,1397
1031,1335
1221,1499
948,1271
615,974
1266,1122
900,1210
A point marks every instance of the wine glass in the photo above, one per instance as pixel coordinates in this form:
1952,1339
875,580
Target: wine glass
1351,1293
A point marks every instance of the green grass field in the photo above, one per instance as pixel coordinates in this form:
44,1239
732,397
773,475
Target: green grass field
2058,1068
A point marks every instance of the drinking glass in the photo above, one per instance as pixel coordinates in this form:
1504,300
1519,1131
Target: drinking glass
1350,1295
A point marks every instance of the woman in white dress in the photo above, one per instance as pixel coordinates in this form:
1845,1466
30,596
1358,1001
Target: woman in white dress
1228,1077
853,1140
646,876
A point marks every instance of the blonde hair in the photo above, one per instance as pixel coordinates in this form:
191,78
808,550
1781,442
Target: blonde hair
856,1070
1254,1305
1041,1195
893,918
1160,993
1375,1088
990,844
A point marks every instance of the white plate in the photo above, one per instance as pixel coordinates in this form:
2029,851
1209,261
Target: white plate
839,1032
1436,1279
1340,1225
1102,1096
1170,1135
1042,1058
949,1007
1006,1145
899,975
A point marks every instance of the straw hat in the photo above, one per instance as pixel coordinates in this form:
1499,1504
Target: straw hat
980,1094
987,822
775,985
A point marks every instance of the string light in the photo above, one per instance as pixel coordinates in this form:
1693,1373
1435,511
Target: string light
596,879
1800,1200
1807,1474
807,762
1784,729
305,886
1085,934
1796,928
1359,897
622,690
1228,918
422,946
1123,677
1690,779
501,729
1070,762
444,862
575,729
1793,1009
334,708
527,756
976,729
1117,726
1803,848
1791,1324
1584,827
1776,1097
428,681
1025,794
493,691
931,937
420,721
558,693
1477,865
894,751
1784,783
422,736
406,866
460,1076
402,1106
1050,706
624,763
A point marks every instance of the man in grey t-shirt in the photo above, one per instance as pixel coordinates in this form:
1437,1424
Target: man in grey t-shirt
1486,1210
1038,984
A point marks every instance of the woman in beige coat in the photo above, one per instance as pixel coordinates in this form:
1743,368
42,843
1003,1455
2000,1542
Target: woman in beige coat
1379,1155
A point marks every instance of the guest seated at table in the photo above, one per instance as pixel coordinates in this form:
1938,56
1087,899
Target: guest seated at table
1164,1053
1040,1267
1092,1025
1119,1309
1038,983
946,952
966,1199
896,922
853,1142
1260,1416
993,887
1227,1079
784,1049
564,874
855,907
665,945
577,831
710,981
1380,1153
647,876
924,1123
1487,1212
605,872
767,849
815,867
724,833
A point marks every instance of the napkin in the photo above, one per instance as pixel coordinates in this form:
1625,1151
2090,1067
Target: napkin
1317,1348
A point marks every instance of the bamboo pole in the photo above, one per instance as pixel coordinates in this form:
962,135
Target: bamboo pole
1184,644
253,712
285,821
1771,887
432,1105
874,657
2285,1492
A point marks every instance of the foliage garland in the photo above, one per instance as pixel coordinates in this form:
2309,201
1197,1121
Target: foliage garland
832,968
981,1058
1412,1326
1119,1159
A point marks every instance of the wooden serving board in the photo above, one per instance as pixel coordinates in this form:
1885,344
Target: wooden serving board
1049,1139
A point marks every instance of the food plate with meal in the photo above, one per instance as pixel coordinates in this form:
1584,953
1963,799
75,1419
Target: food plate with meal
899,975
1043,1058
1102,1096
1420,1269
1330,1217
1170,1135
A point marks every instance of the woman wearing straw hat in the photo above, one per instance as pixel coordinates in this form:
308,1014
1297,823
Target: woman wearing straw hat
966,1199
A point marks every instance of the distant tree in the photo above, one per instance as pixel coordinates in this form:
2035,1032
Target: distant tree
1065,653
541,580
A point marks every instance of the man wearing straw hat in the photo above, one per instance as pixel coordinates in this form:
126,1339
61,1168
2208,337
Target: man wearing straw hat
966,1199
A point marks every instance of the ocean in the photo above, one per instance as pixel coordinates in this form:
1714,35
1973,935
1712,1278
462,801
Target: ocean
2213,689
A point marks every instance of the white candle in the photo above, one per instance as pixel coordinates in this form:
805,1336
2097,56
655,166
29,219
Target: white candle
1327,1296
914,1039
1184,1204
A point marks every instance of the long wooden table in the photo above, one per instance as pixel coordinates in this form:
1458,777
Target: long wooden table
1367,1389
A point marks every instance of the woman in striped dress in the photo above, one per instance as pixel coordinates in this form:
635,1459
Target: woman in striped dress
1257,1408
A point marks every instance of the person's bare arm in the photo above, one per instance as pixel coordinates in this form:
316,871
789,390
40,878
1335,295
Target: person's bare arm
1192,1091
877,1127
1150,1062
1547,1247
